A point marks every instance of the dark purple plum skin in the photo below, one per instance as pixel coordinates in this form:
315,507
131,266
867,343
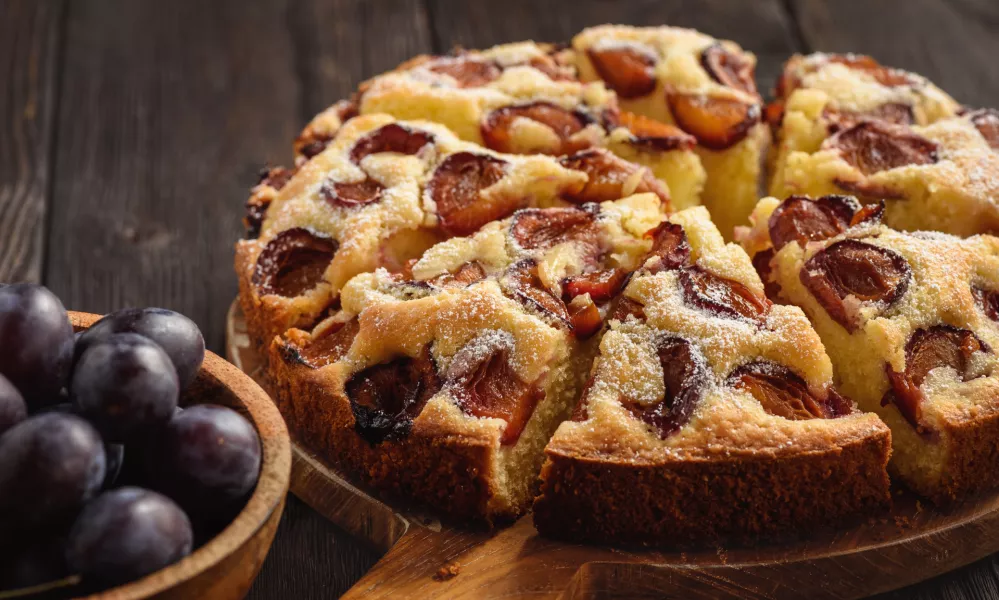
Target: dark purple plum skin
50,465
207,459
126,386
36,342
125,534
13,409
179,336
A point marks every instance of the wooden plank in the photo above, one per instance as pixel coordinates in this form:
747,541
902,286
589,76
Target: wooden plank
340,43
29,45
168,110
310,558
955,44
762,27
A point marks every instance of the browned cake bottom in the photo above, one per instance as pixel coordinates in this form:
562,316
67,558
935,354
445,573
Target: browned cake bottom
972,459
257,325
452,475
690,502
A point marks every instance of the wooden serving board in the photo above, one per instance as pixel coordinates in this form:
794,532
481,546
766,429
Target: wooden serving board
426,559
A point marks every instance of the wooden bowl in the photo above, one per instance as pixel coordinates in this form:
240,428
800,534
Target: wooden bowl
224,568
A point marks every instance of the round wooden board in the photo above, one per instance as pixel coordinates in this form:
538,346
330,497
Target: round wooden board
426,559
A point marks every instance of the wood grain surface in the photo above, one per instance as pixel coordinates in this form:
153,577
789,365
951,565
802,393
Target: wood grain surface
130,131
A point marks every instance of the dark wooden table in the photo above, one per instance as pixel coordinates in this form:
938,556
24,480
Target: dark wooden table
131,131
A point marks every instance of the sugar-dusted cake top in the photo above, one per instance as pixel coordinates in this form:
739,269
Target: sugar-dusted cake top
921,306
857,86
497,311
675,75
698,363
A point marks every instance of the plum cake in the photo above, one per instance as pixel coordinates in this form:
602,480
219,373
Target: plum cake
494,272
381,192
443,383
910,322
704,86
519,99
710,412
847,125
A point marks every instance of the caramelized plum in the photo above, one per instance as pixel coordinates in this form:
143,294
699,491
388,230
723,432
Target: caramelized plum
723,297
790,80
761,262
466,71
728,68
600,285
626,307
351,194
987,301
892,112
542,228
870,213
386,398
655,135
868,190
886,76
780,391
390,138
312,144
609,178
986,121
928,349
685,374
875,146
276,177
717,123
456,188
466,274
552,69
579,413
293,262
773,113
327,347
256,212
584,317
670,249
802,220
525,286
259,202
484,385
497,127
629,69
848,268
321,131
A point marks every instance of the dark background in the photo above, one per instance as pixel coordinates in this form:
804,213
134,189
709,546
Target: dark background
131,131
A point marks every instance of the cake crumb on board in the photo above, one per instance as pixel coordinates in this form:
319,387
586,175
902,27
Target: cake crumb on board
448,571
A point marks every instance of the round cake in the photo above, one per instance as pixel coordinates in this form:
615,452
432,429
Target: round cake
506,278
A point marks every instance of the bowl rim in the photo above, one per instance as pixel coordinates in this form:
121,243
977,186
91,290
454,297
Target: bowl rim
269,495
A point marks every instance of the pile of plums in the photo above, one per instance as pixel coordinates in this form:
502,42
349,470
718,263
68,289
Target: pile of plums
103,477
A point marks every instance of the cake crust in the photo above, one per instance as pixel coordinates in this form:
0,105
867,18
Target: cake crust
693,502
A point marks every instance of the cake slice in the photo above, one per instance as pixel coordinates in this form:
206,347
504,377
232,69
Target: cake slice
709,413
846,125
381,192
519,98
703,85
441,385
910,322
854,87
